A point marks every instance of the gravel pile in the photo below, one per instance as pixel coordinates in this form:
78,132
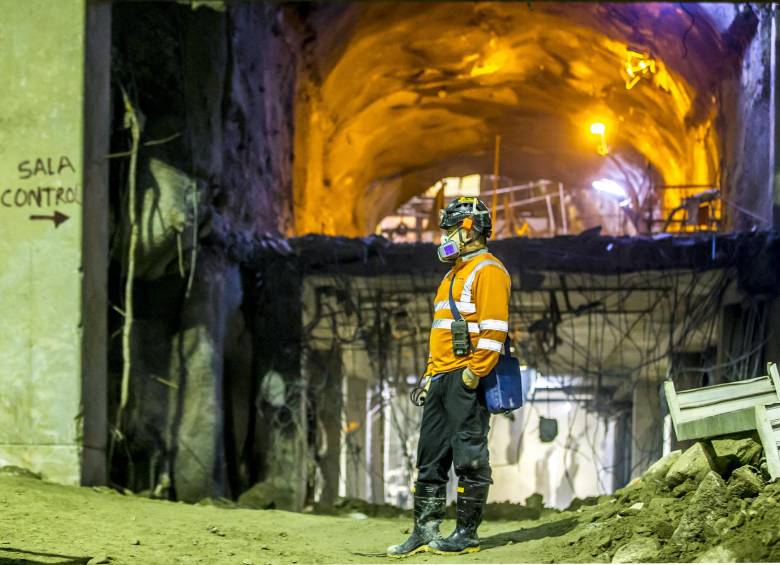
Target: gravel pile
710,503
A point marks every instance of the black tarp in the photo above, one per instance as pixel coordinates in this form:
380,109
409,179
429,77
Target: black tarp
752,255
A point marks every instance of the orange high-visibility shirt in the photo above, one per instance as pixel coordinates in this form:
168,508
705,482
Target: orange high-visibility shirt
481,294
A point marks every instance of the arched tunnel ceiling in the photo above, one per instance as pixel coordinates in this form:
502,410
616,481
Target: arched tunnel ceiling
397,95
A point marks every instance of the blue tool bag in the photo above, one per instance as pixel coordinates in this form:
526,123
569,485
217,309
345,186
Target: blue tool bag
503,386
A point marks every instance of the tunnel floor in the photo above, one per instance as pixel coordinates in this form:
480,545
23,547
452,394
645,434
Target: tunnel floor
44,522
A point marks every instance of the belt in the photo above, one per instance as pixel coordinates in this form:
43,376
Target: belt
440,375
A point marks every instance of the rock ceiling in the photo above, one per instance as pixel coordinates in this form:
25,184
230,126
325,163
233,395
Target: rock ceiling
396,96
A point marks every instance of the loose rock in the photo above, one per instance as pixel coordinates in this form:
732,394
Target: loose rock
660,468
694,464
99,560
268,495
709,502
638,550
745,483
731,453
632,510
717,554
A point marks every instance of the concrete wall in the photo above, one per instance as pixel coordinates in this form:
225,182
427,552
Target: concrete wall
52,308
578,463
646,426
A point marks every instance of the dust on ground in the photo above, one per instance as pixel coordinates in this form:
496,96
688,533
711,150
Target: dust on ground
711,503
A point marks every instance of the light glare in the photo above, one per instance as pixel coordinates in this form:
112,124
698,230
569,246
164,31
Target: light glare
609,186
598,128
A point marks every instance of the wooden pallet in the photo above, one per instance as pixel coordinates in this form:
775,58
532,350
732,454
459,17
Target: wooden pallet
721,409
768,426
728,408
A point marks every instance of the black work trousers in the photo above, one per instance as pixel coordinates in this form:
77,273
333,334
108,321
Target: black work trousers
454,429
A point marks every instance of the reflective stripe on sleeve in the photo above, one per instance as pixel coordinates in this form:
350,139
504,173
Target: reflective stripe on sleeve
447,324
463,307
497,325
490,344
465,296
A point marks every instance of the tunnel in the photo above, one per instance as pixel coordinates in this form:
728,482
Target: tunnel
405,95
219,257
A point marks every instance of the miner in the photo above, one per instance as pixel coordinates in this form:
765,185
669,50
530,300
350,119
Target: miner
469,331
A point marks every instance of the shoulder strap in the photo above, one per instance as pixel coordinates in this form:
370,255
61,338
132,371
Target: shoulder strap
453,307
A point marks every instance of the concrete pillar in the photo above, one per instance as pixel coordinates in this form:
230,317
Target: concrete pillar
375,427
621,474
281,430
772,348
646,426
54,112
355,440
324,368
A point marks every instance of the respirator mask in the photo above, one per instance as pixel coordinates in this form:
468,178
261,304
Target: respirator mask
452,244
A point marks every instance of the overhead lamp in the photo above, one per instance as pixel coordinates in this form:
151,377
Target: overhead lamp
608,186
600,129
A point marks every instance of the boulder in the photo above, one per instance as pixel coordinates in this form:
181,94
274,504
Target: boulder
536,500
660,468
717,554
694,464
269,495
638,550
733,452
709,503
745,483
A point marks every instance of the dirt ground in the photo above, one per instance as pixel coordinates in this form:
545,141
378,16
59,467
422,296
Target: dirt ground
42,522
734,517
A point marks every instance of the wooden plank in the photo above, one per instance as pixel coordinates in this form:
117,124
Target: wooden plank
672,403
773,413
769,439
692,414
716,425
719,393
774,375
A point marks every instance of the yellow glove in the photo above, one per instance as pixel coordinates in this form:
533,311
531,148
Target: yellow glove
470,379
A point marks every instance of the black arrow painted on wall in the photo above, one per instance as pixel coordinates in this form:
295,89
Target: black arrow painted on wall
57,218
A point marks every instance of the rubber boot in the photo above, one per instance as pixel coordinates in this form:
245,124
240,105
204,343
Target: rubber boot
468,513
428,514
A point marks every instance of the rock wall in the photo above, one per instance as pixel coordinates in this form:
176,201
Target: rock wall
744,99
213,92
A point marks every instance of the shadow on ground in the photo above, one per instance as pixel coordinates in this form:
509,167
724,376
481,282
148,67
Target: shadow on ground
16,556
549,530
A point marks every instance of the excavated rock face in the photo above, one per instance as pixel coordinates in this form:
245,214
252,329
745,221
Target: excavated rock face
395,96
214,91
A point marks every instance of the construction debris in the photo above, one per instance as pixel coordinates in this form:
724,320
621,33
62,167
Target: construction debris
727,408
